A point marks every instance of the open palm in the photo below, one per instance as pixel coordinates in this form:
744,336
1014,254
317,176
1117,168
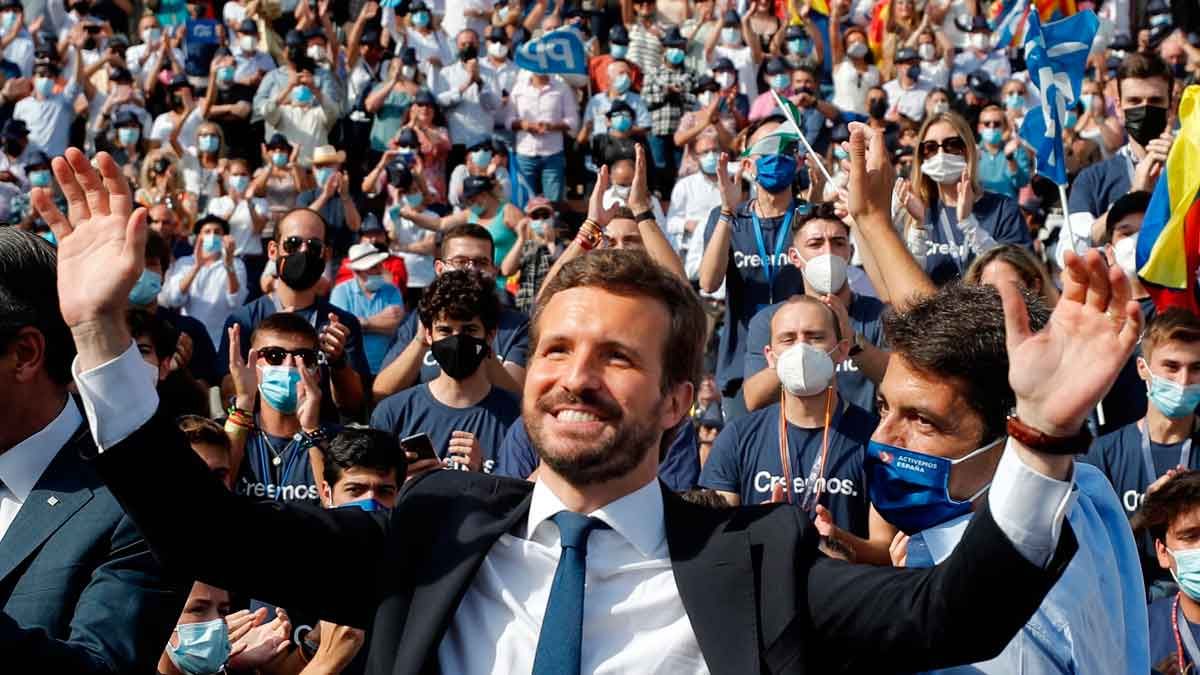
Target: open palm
101,240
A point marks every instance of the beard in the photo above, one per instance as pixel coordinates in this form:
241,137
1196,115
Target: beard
598,460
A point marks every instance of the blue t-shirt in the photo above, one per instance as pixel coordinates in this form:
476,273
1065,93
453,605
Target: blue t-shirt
291,480
998,215
866,317
1099,185
511,343
745,459
251,314
679,468
350,296
415,411
1162,632
746,286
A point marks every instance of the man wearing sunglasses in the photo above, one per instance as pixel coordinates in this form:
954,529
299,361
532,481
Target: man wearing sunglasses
410,362
300,254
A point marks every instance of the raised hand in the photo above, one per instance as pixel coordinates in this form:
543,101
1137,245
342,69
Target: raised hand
596,211
966,198
1060,373
898,550
871,175
243,371
101,251
334,338
309,410
731,192
639,192
261,643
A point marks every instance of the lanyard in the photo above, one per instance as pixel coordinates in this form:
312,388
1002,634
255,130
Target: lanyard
1130,165
948,231
1185,453
780,240
269,462
1184,640
812,489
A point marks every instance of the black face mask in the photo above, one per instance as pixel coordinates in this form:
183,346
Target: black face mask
177,102
914,72
467,53
89,43
459,355
1145,122
878,108
301,270
14,147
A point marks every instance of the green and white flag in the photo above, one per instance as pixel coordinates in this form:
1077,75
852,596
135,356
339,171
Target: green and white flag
786,135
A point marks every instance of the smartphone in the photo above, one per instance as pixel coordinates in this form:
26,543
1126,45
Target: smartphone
419,445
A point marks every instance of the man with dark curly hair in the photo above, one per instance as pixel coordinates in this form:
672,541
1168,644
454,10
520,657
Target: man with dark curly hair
464,416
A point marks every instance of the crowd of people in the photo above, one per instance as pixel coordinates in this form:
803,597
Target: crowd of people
372,266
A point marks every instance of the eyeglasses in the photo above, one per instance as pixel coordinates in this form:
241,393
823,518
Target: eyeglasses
275,356
953,146
462,262
293,244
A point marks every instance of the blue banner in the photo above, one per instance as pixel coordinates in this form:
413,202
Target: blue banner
559,52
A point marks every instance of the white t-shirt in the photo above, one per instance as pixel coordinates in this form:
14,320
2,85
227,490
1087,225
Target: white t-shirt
935,73
405,232
164,125
747,69
909,102
850,87
197,180
240,224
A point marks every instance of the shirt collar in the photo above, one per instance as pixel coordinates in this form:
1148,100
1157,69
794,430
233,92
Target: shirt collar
638,516
23,465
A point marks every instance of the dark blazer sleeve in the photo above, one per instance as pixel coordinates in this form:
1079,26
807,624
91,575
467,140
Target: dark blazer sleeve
965,610
200,530
120,623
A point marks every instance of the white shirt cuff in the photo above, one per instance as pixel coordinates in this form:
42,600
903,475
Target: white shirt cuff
1029,507
118,396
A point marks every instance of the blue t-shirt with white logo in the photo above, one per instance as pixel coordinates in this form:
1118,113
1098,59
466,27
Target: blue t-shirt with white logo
745,459
947,259
866,318
678,470
511,343
747,289
415,411
289,480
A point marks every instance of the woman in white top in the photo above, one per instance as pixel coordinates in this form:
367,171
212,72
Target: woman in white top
247,216
202,163
1096,123
854,74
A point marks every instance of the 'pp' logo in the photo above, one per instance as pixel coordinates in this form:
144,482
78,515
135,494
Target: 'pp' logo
885,456
559,51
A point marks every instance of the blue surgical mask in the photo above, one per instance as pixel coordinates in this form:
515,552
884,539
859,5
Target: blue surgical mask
1188,574
731,36
481,157
128,135
203,647
225,74
477,209
48,235
323,174
146,289
302,95
280,388
413,199
840,153
420,19
708,162
375,282
44,85
991,136
279,159
208,143
622,83
911,490
40,178
621,123
675,56
781,81
1171,398
368,505
1071,121
212,243
538,225
775,173
7,19
239,183
1014,101
797,46
618,51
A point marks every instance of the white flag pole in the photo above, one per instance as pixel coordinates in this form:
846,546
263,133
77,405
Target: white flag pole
796,123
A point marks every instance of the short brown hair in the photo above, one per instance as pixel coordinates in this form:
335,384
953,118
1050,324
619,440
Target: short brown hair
468,231
1161,507
632,273
1031,270
203,430
1176,324
1139,66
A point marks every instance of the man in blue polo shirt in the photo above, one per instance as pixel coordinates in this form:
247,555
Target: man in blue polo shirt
826,436
465,415
745,247
410,361
1144,85
371,296
821,250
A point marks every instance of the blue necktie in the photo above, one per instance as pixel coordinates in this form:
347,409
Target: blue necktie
559,643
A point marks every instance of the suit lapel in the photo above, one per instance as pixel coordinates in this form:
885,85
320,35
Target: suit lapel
715,577
57,495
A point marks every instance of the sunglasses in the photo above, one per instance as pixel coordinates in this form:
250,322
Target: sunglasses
293,244
952,146
275,356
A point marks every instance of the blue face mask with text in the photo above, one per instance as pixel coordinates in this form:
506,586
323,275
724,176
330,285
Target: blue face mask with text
775,173
911,490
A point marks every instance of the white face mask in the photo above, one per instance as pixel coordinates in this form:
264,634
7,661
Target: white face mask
927,52
1125,252
316,52
825,273
407,72
979,41
246,42
940,107
857,50
497,50
725,80
804,370
621,192
944,168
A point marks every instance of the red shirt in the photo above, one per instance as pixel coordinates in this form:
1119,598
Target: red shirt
393,265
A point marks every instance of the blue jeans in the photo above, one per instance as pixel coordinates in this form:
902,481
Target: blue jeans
541,176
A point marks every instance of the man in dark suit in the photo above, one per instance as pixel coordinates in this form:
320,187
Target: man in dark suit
79,590
474,573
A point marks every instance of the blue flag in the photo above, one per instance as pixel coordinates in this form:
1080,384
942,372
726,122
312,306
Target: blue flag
558,52
1056,56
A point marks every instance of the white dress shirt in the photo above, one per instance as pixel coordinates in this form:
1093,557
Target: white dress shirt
633,617
23,464
470,114
208,298
693,198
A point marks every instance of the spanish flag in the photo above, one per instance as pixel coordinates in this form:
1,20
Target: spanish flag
1050,10
1168,249
877,30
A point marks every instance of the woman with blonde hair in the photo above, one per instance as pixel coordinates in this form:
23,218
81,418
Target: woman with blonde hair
161,182
955,220
1007,263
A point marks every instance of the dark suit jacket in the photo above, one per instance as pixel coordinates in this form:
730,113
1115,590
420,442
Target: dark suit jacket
760,598
79,589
